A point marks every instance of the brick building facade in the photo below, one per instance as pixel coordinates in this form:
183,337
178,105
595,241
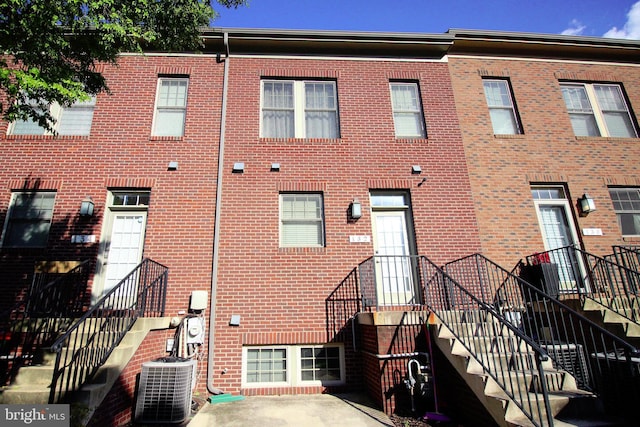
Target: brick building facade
285,134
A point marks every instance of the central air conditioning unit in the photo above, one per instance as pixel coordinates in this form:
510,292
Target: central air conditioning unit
570,357
165,391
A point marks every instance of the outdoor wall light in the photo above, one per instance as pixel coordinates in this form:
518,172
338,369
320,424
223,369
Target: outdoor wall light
416,169
586,204
86,207
356,209
275,167
238,167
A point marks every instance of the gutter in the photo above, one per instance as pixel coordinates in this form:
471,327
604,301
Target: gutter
216,234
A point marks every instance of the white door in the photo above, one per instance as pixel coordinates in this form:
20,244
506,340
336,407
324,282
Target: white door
122,241
558,231
125,247
394,272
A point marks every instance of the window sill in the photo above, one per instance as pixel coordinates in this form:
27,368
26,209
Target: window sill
301,140
316,250
166,138
407,140
606,138
46,137
508,135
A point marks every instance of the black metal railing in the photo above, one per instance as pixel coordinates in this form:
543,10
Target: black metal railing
602,280
629,257
391,280
54,301
86,345
496,344
342,305
599,361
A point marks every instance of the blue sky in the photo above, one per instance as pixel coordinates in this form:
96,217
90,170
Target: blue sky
593,18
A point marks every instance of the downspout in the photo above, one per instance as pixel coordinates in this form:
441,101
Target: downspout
216,233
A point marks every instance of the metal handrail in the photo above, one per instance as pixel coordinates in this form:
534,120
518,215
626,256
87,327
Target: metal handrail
342,305
600,362
52,305
87,344
502,351
602,280
391,280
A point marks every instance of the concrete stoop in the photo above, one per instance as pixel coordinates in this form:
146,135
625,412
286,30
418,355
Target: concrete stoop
509,360
617,321
32,383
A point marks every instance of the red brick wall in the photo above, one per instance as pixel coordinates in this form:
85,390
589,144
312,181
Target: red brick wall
117,408
121,153
282,291
502,168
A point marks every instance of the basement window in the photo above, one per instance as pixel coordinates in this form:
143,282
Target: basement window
293,365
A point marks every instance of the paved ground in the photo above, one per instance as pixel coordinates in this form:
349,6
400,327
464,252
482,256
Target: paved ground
318,410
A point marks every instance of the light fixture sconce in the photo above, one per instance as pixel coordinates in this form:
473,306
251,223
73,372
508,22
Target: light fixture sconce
416,169
275,167
586,204
356,209
173,166
86,207
235,320
238,167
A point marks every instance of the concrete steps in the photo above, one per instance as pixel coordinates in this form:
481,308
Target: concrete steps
617,320
32,384
501,370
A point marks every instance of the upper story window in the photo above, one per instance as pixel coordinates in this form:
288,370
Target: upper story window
301,220
408,119
502,108
626,203
598,110
73,120
299,109
171,106
28,220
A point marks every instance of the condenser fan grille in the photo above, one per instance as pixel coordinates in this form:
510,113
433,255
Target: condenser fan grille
165,391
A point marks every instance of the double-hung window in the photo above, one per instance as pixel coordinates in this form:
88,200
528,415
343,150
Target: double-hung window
75,119
28,220
299,109
408,119
598,110
171,106
301,220
502,109
626,203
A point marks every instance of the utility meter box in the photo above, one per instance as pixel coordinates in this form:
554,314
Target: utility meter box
199,300
195,330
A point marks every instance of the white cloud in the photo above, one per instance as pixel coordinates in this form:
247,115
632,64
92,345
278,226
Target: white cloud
575,29
631,29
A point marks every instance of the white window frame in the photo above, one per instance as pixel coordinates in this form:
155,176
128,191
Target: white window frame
47,220
416,112
178,109
293,366
619,210
299,109
58,113
509,107
318,220
596,111
298,366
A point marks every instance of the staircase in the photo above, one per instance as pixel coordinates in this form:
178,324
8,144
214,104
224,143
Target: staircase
530,359
607,287
81,358
507,375
32,384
